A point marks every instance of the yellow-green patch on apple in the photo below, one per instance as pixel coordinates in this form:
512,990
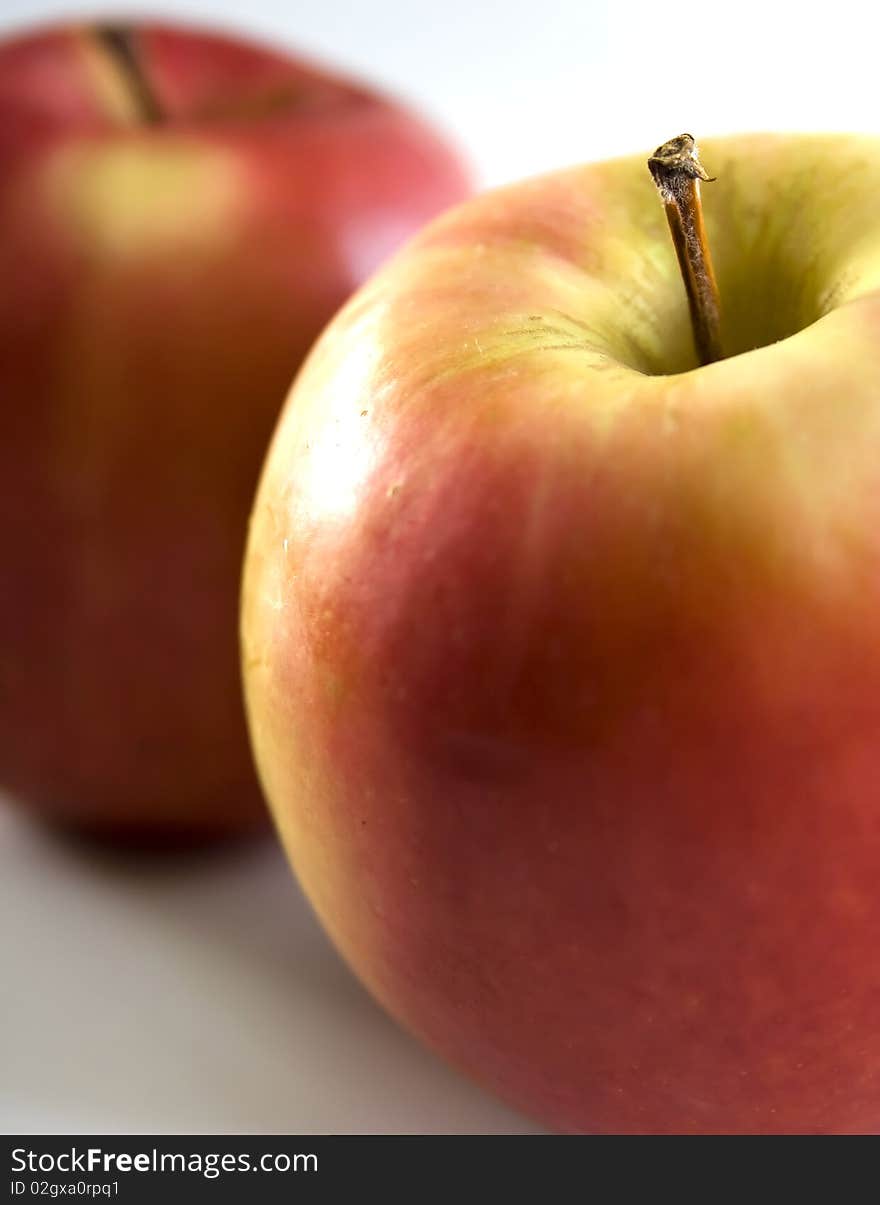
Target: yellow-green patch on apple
121,201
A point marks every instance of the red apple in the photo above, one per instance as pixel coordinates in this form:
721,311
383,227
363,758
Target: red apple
180,214
562,655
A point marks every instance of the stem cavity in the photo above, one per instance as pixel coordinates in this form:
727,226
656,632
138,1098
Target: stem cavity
677,172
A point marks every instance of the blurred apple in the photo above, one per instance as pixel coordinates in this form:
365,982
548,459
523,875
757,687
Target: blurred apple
562,654
180,214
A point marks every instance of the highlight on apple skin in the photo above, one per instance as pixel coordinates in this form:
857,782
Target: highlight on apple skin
562,658
176,226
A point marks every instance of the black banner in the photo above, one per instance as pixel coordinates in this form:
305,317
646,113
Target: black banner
131,1170
352,1168
349,1168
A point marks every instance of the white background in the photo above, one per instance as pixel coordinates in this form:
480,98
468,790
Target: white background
198,994
530,85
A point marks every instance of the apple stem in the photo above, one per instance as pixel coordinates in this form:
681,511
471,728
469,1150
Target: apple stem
677,172
119,42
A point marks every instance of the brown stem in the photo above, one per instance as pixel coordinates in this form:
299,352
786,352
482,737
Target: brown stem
677,172
119,43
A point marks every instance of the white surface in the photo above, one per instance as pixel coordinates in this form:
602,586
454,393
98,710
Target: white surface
196,994
199,994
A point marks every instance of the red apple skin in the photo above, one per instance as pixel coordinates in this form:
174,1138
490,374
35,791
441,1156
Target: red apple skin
564,680
161,284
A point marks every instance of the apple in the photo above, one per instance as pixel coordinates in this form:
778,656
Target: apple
562,653
180,214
